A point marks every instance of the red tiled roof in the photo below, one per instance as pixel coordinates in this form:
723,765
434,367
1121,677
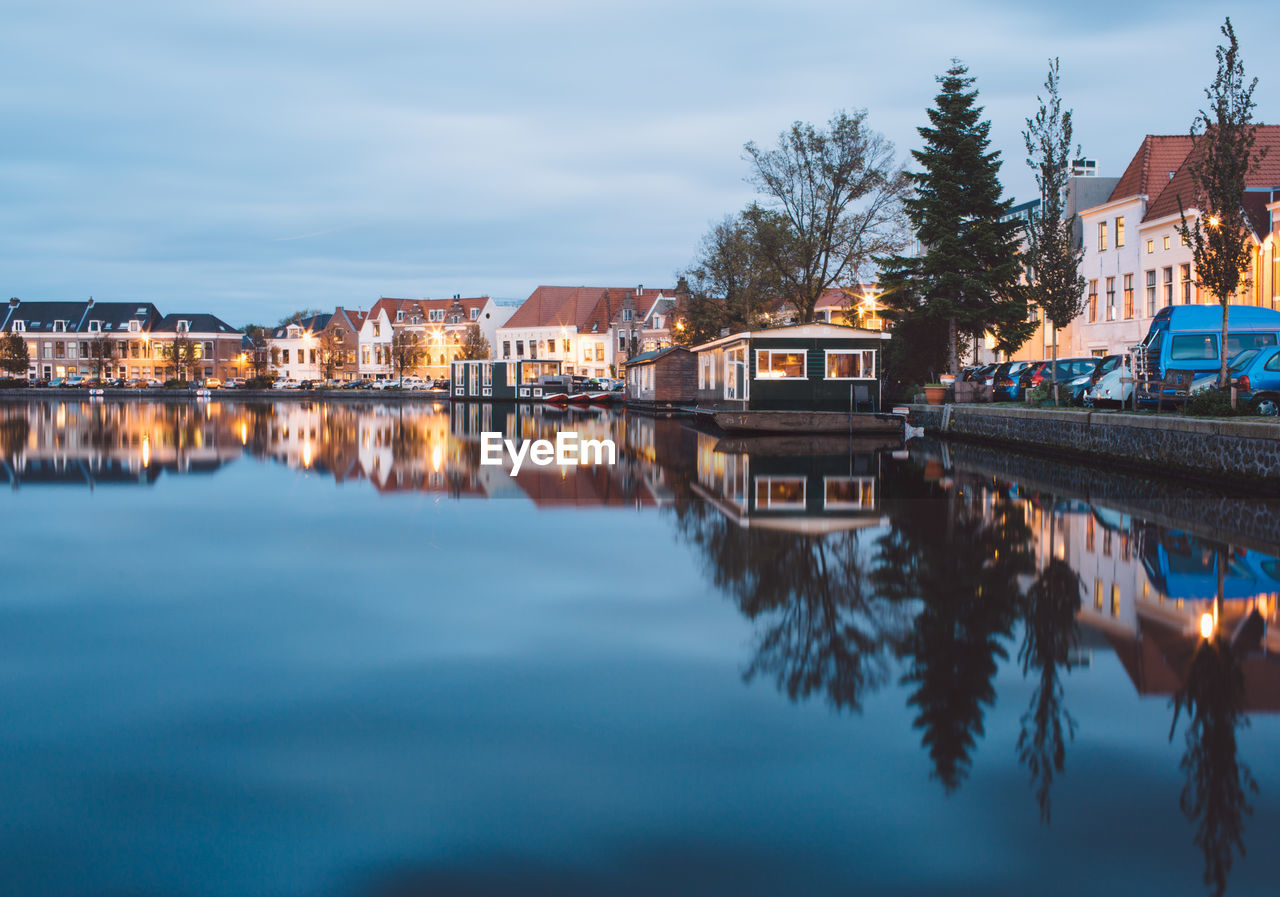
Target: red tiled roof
577,306
1149,170
836,296
1263,176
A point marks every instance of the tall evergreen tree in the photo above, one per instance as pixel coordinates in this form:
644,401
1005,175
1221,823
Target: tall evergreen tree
967,274
1054,282
1221,157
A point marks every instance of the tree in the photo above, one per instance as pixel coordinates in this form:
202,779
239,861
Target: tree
474,346
184,354
14,357
101,350
1052,257
299,316
406,351
728,284
258,351
332,349
1221,158
832,202
968,274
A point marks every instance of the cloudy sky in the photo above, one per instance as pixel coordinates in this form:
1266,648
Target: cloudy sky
250,157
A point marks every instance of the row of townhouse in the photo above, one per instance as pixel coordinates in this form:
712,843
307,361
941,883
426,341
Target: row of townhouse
352,345
63,339
591,330
1134,259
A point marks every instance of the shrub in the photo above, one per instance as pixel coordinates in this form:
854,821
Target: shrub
1214,402
259,383
175,384
13,383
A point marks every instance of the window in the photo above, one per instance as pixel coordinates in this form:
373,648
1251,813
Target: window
519,348
475,313
1119,232
377,328
1238,342
1194,347
184,326
599,351
1097,594
1111,298
506,348
1151,246
622,342
1185,271
59,326
1273,364
849,493
1166,241
19,326
284,355
135,326
568,347
1115,600
626,314
1168,285
1093,301
1128,297
400,316
851,364
1151,293
208,349
772,364
1102,236
780,493
486,378
95,326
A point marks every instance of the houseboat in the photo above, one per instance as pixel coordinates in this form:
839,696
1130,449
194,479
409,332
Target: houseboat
799,378
666,378
502,381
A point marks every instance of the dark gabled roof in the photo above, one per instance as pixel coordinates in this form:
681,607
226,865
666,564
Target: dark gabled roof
197,322
80,316
646,357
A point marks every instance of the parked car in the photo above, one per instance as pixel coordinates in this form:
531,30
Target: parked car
1006,381
282,383
1067,368
386,384
1187,337
76,380
235,383
357,384
1255,373
1077,387
1113,388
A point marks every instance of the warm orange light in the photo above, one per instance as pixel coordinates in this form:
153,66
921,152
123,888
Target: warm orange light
1206,625
1213,221
244,433
437,458
146,451
306,454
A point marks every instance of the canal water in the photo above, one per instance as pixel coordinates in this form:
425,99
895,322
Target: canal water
314,649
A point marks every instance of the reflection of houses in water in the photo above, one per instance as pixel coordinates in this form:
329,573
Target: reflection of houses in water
94,443
825,484
1145,589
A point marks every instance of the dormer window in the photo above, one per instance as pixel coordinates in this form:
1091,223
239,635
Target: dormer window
59,326
455,319
400,316
95,326
337,332
184,326
135,326
475,314
19,326
626,314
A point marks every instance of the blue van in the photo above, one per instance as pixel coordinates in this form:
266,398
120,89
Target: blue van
1186,337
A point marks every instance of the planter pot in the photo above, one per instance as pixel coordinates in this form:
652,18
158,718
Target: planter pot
935,395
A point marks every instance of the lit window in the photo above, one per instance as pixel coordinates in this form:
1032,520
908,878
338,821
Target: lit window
780,493
1151,246
857,364
1166,241
1102,236
1119,232
1115,600
772,364
849,493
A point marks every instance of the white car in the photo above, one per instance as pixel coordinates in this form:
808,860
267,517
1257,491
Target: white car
1110,391
386,384
285,384
413,383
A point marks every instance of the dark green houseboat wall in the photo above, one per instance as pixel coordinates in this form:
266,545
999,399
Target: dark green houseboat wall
815,392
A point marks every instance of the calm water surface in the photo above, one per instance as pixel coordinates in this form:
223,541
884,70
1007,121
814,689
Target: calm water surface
316,649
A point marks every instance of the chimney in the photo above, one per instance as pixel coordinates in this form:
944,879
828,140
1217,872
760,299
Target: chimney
13,303
90,302
640,290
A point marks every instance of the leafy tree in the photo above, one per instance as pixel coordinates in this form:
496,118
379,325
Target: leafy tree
406,351
1221,158
15,360
832,201
258,352
474,346
729,283
1053,259
968,274
101,350
332,353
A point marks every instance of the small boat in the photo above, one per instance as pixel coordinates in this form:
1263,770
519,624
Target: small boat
857,423
579,398
599,398
556,398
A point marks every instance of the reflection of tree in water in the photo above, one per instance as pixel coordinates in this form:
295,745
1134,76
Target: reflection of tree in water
959,553
822,631
15,426
1215,795
1050,634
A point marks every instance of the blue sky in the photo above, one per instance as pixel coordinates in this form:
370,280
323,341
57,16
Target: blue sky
250,158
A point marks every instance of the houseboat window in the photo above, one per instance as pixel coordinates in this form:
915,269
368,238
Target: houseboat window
851,364
1197,347
487,376
774,365
511,373
780,493
532,371
707,370
849,493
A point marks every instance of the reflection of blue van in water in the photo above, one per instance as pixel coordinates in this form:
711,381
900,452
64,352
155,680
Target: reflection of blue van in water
1186,337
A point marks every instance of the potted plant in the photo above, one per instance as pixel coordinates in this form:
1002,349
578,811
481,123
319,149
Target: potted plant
935,393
